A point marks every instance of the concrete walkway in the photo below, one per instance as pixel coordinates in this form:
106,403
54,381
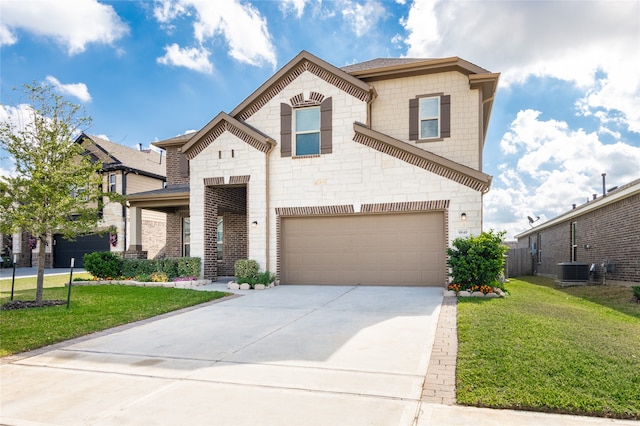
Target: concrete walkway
297,355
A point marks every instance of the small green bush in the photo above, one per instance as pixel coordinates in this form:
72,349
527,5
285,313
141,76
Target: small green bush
103,264
265,278
636,292
477,260
188,266
159,277
246,268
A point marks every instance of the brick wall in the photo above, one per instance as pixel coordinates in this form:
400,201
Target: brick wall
176,174
610,232
173,247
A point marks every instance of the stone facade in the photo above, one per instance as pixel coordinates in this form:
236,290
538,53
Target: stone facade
606,233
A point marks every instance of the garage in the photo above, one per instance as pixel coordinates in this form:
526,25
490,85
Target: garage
64,250
405,249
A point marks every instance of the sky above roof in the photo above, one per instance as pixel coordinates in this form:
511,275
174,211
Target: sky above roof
567,107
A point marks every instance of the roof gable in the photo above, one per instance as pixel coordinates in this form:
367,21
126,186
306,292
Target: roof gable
304,61
222,123
115,156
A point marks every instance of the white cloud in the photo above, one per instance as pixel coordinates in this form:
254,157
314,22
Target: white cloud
363,17
297,6
78,90
593,44
240,24
556,168
196,59
72,24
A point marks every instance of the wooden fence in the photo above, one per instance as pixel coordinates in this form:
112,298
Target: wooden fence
518,262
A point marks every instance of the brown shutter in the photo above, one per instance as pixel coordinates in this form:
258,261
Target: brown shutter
445,116
326,110
285,130
414,120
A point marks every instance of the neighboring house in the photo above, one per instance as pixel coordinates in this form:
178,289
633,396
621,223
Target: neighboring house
326,175
602,233
125,170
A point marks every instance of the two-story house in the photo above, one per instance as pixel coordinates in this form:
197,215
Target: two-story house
355,175
124,170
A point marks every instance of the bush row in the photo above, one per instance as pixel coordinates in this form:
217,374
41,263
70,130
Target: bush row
110,265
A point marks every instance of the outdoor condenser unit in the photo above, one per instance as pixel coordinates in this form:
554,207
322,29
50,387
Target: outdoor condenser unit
573,272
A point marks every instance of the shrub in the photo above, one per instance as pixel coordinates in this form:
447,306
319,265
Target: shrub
188,267
265,278
636,292
137,267
246,269
172,267
159,277
103,264
477,260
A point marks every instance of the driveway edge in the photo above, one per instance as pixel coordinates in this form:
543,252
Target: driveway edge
440,383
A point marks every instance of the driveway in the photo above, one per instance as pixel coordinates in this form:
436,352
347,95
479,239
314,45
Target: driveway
289,355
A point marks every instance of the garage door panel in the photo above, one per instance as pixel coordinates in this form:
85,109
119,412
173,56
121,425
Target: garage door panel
401,249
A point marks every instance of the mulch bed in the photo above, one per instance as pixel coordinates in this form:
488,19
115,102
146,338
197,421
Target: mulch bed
22,304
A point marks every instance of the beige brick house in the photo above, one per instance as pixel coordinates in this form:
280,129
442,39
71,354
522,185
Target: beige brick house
326,175
125,170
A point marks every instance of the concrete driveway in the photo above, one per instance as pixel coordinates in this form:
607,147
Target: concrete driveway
289,355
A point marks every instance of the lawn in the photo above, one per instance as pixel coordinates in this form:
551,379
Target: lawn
567,350
92,308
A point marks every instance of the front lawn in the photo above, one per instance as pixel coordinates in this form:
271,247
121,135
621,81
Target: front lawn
92,308
572,350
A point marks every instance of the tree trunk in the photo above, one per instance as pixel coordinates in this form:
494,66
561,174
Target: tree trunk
42,246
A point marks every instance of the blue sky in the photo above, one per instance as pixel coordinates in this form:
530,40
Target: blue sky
567,108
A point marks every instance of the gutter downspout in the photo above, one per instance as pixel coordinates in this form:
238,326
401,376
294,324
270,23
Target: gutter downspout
124,208
272,145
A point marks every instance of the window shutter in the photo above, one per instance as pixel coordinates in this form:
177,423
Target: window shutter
414,120
326,110
285,130
445,116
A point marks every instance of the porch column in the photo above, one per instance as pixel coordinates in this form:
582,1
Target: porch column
135,235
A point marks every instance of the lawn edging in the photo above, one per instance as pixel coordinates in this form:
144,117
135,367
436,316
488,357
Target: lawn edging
166,284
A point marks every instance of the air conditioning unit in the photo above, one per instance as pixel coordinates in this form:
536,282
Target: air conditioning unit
573,273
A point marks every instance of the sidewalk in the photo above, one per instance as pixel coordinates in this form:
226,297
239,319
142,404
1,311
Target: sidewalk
7,273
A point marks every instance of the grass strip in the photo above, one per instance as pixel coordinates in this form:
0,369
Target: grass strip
573,350
92,308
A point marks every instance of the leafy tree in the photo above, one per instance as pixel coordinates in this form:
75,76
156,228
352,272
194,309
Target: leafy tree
477,260
56,187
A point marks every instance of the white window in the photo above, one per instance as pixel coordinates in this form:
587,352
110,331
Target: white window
574,241
112,182
220,237
186,237
430,117
307,131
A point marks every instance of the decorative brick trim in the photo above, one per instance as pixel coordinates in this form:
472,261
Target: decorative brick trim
295,72
238,180
218,130
410,206
298,100
421,162
214,181
315,210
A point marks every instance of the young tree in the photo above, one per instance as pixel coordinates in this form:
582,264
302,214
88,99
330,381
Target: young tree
56,187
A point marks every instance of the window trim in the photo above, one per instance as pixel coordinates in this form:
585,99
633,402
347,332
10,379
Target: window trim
573,240
444,118
112,186
295,132
220,241
436,117
186,237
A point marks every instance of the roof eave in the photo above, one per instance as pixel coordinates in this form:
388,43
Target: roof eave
428,66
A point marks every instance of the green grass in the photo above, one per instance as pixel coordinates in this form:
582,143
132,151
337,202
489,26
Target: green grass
572,350
92,308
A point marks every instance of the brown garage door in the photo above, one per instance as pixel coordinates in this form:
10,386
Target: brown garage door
385,249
